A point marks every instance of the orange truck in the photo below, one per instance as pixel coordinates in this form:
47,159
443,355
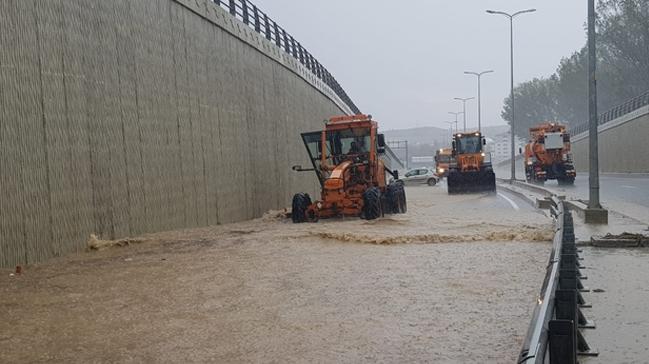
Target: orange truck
548,156
348,157
443,158
471,169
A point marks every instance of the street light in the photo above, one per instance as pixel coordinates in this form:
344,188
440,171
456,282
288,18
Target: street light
464,107
456,114
479,75
451,124
511,32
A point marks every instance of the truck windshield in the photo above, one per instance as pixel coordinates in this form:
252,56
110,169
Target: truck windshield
443,158
469,145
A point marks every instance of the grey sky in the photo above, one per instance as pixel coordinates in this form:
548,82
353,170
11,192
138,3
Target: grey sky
403,61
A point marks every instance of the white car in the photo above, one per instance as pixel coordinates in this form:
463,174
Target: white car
420,176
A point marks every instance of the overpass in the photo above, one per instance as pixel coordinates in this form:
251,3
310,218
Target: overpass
119,118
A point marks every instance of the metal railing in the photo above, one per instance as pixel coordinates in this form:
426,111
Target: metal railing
614,113
554,334
253,17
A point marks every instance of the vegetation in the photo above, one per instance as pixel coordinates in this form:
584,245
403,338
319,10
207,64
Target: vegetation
622,73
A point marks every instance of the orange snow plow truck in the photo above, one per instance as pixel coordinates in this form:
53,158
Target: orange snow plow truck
349,159
548,156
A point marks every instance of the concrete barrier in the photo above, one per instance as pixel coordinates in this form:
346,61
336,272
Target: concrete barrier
125,117
623,145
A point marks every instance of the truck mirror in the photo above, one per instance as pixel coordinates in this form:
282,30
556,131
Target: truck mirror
484,141
453,145
381,140
395,174
520,150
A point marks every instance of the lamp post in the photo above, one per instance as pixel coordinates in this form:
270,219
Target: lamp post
595,213
479,75
511,32
456,114
451,127
464,107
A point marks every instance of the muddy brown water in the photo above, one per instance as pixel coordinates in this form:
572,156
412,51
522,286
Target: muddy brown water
454,280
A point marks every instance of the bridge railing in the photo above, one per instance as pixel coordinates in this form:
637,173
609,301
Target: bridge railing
616,112
253,17
554,334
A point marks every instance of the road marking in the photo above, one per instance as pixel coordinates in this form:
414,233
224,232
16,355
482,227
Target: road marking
511,202
624,186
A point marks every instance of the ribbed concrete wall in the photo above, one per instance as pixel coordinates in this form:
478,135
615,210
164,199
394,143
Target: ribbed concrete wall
123,117
623,145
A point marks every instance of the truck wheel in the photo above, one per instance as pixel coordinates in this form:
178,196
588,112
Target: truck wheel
301,202
403,204
392,199
372,204
432,182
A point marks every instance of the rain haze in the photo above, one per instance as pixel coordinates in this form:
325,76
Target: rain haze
403,62
181,182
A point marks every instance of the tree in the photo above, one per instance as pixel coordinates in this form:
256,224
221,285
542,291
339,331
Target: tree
536,102
622,73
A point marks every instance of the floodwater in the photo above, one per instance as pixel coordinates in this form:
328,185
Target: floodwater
620,310
454,280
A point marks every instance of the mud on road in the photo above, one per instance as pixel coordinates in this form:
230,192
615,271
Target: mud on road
453,280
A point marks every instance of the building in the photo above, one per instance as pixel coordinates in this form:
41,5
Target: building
500,147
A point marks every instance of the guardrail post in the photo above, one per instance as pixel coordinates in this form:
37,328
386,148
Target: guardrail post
267,24
233,8
255,14
244,12
563,348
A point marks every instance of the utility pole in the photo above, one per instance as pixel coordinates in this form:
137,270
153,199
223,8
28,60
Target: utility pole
464,108
595,213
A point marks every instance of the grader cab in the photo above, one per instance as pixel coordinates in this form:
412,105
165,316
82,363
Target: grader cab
347,157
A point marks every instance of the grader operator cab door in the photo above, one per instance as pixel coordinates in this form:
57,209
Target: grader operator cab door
313,144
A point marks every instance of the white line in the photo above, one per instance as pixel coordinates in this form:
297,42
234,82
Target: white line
511,202
623,186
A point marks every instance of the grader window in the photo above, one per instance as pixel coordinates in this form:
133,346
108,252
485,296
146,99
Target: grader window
349,141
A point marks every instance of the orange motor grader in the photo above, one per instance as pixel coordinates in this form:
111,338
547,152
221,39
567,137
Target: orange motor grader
347,157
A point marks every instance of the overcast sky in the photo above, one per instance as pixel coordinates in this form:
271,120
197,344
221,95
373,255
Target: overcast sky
403,61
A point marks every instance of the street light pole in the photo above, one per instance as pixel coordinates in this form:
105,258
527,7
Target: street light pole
479,75
451,126
464,108
595,213
511,33
456,114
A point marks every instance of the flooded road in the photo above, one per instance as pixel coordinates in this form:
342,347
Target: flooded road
453,280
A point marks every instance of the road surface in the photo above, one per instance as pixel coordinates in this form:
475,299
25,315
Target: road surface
453,280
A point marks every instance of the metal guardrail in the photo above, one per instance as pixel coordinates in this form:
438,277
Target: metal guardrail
554,334
614,113
257,20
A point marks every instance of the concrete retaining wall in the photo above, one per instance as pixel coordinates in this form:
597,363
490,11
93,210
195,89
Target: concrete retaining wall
623,145
124,117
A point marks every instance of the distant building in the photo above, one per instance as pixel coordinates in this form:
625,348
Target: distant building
500,147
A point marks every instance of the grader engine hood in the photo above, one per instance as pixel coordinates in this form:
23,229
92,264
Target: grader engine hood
336,180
